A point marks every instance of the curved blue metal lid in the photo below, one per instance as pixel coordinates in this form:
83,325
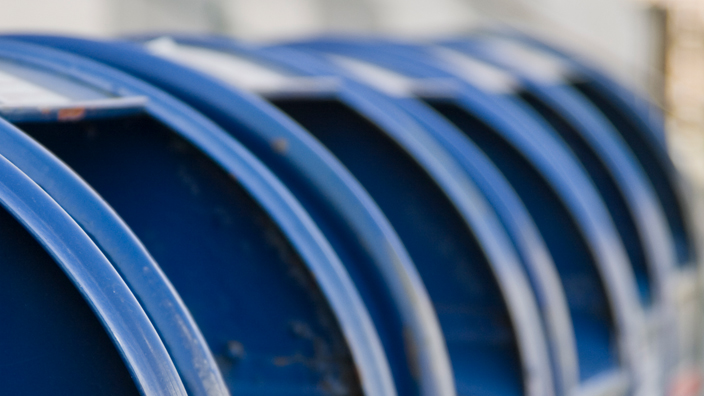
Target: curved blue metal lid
411,138
95,278
636,120
514,216
555,164
273,197
147,281
318,180
614,169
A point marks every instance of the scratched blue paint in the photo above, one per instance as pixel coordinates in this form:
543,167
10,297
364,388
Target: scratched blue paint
350,219
373,159
228,235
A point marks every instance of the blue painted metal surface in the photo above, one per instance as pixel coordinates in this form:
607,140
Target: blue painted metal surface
375,171
126,253
182,164
640,125
615,170
488,158
613,167
550,181
356,227
68,316
513,215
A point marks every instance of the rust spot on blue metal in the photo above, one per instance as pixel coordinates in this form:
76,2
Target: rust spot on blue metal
71,114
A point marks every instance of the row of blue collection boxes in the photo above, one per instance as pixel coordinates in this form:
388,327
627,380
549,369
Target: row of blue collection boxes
482,216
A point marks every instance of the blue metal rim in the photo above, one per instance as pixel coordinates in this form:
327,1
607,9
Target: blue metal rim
332,181
478,215
274,198
637,192
144,277
554,161
648,136
513,214
96,279
414,140
642,205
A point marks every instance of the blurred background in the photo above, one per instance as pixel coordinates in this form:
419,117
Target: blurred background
655,46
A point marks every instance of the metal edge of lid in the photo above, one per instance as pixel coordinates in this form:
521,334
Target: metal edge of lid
480,221
512,280
274,197
102,287
367,57
127,254
477,215
73,111
359,209
566,177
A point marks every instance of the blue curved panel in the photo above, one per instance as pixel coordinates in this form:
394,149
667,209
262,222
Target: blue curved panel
615,170
125,252
641,126
432,234
71,324
227,234
513,215
567,209
350,219
613,167
402,168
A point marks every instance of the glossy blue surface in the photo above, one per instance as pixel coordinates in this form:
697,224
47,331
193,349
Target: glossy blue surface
513,215
438,241
563,201
642,127
68,316
125,252
613,168
606,90
395,159
112,235
350,219
228,235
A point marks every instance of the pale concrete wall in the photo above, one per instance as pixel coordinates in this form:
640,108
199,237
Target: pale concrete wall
87,17
614,33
